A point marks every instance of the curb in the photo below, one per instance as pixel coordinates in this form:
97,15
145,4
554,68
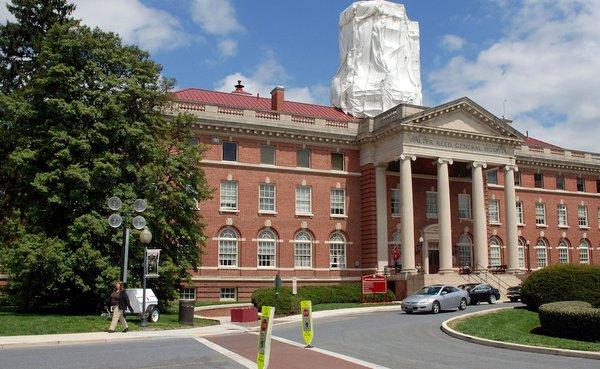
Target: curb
512,346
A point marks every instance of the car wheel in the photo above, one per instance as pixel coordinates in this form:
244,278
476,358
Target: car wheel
463,304
492,299
408,312
513,300
154,315
435,308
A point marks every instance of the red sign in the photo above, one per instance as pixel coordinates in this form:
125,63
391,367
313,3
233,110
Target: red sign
374,284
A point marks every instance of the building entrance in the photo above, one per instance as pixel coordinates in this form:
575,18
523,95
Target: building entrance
434,257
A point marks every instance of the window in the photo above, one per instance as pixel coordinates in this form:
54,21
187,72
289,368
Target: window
541,252
303,158
560,182
431,204
465,250
337,161
303,203
228,294
582,216
598,185
395,201
495,252
581,184
337,250
228,240
267,154
494,211
266,198
303,250
266,249
229,151
188,294
521,252
562,215
563,252
540,213
338,201
464,206
598,216
584,252
229,195
517,178
538,180
520,217
492,177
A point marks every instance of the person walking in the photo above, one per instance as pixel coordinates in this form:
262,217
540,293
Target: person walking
119,303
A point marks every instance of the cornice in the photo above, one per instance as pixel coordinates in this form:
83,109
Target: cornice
536,163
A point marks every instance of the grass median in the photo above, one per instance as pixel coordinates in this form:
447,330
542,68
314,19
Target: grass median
517,326
14,323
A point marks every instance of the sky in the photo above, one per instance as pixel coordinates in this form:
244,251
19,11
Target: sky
536,61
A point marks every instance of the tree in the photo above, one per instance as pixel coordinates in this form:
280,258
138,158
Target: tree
88,121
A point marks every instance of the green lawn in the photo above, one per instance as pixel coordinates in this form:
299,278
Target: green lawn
13,323
517,326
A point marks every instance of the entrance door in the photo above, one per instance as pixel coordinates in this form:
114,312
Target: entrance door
434,257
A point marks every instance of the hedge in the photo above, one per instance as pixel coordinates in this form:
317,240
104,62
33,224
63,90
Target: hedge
561,283
570,319
287,303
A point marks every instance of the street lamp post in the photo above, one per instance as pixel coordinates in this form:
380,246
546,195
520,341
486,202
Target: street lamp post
528,256
145,238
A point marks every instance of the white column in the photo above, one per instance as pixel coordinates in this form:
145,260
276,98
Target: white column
512,235
407,221
425,254
444,218
381,206
479,216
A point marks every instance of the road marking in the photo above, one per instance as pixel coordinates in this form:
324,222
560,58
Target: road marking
329,353
230,354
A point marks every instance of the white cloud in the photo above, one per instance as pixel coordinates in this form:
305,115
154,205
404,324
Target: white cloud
546,66
216,17
135,22
4,13
228,47
453,42
269,74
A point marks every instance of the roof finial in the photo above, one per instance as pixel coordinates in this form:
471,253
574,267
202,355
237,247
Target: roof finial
239,87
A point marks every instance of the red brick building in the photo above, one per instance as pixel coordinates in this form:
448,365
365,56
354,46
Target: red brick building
308,192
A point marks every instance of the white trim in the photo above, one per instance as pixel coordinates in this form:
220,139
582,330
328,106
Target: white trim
430,176
269,279
230,354
280,168
546,190
287,269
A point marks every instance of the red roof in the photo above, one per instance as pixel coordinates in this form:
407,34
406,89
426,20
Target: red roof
260,103
529,141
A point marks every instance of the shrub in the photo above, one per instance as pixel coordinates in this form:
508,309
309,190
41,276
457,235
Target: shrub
285,304
570,319
561,283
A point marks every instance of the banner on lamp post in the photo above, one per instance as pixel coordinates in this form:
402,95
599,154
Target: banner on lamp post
153,257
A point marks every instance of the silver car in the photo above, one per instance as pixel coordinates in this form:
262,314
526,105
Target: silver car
435,298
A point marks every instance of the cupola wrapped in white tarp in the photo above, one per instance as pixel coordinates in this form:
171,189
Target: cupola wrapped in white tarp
379,59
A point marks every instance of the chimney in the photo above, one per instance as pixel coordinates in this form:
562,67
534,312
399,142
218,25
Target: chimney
277,98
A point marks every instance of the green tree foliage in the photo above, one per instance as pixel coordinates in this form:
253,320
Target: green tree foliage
84,118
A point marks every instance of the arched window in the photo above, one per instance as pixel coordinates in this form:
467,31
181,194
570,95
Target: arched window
563,251
465,250
495,252
337,250
541,252
228,245
303,250
521,252
584,252
266,249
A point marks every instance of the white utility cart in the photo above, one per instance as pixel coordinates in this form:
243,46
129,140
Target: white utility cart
135,299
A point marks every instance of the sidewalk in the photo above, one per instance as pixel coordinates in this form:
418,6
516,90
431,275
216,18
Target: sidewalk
215,330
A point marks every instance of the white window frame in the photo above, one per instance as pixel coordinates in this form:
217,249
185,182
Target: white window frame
541,253
228,294
264,195
301,202
337,202
584,252
303,242
582,216
521,253
228,240
395,205
464,206
431,207
520,213
227,194
188,293
561,210
266,250
494,211
563,251
465,250
495,251
492,174
337,248
540,213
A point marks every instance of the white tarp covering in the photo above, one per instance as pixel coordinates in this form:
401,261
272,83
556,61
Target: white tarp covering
379,59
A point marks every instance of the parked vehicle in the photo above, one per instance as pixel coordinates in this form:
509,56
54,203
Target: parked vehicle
481,292
514,293
436,298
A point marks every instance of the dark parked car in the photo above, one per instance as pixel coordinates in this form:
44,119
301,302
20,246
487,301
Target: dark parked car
481,292
514,293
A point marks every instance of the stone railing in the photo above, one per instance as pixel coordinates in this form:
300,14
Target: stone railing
560,154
